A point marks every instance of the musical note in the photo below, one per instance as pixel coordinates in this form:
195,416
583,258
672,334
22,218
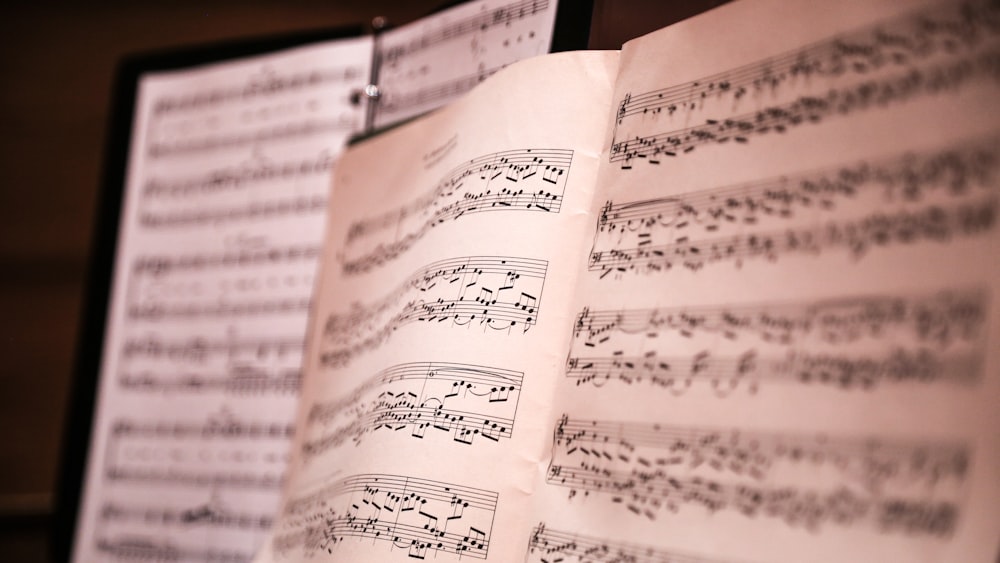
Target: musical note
548,545
925,53
914,193
517,180
415,515
893,485
496,292
464,401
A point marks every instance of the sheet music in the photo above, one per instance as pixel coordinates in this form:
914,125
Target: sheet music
743,290
784,345
430,360
223,215
427,63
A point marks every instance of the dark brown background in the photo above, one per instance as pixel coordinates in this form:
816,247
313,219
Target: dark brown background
56,67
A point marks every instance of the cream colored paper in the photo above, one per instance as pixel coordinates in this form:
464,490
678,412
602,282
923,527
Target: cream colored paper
445,283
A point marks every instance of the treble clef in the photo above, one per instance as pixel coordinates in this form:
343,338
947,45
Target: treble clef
623,107
561,427
603,220
536,537
580,320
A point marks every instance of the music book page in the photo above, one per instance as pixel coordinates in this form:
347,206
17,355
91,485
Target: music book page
440,321
784,346
730,296
222,219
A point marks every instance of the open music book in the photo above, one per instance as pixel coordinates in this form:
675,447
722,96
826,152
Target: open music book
730,294
215,209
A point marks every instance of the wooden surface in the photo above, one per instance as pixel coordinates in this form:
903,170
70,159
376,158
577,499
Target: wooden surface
56,67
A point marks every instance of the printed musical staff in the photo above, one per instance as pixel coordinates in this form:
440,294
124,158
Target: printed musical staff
157,312
415,515
231,479
463,401
228,175
221,426
233,364
927,53
500,16
144,548
406,102
245,453
517,180
261,84
939,318
285,132
549,546
425,64
726,374
250,279
808,213
199,349
257,210
238,380
892,485
211,514
232,178
161,265
496,292
854,342
935,224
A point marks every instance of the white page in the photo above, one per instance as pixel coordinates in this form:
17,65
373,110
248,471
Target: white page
786,336
427,63
440,322
224,208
